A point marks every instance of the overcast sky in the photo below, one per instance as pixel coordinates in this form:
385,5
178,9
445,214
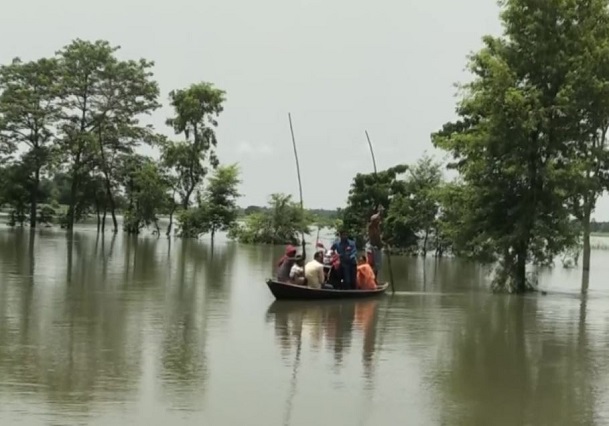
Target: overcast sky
339,66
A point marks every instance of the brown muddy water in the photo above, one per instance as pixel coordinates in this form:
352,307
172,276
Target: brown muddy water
118,330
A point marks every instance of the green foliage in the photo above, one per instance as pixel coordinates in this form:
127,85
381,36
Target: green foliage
282,223
412,218
321,217
410,196
196,111
368,191
185,162
220,197
146,192
28,107
15,192
217,210
46,215
510,142
102,99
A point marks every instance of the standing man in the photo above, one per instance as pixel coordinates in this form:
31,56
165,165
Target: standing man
347,253
374,246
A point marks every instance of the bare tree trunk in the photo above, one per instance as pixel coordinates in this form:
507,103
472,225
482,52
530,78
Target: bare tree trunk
72,206
425,243
173,209
34,199
104,219
520,274
186,201
112,206
97,211
586,235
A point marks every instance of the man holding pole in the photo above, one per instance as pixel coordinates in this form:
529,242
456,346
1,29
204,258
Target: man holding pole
375,245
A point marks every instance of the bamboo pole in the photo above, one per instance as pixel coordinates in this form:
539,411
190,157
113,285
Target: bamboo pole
299,180
386,251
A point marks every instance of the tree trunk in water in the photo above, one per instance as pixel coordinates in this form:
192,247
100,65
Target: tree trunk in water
72,206
425,243
97,211
186,201
113,213
104,219
111,201
34,199
168,233
586,232
213,234
520,272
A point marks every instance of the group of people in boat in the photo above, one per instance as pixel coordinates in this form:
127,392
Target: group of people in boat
340,267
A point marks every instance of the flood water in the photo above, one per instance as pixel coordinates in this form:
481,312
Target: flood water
119,330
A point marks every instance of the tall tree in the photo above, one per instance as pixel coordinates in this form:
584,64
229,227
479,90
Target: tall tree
103,99
82,68
29,111
587,93
220,199
196,110
422,185
127,92
509,143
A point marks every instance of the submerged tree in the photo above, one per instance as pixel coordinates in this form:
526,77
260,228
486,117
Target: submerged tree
282,223
367,193
29,111
586,98
509,144
102,99
217,209
147,189
15,191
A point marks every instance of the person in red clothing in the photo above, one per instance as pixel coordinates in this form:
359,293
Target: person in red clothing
284,266
365,275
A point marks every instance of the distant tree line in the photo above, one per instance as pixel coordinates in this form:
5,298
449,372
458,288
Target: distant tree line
599,227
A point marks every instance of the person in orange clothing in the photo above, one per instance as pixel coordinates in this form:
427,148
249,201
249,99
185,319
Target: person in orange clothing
365,275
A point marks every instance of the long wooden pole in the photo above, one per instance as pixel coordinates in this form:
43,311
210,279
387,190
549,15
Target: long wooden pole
299,180
371,152
386,251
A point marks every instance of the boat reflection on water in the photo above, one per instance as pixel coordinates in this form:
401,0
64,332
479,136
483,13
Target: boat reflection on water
332,326
325,325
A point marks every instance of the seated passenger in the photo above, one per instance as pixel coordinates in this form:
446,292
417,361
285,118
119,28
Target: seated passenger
365,275
285,264
297,275
314,271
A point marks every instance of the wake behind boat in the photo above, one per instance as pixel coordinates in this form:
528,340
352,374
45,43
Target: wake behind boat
287,291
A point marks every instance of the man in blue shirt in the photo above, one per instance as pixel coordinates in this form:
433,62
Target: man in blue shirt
347,252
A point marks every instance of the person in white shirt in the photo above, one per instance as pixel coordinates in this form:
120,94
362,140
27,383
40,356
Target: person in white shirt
314,271
297,275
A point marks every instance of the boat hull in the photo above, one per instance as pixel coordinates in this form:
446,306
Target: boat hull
286,291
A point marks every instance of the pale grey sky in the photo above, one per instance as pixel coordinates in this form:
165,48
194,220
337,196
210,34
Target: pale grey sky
339,66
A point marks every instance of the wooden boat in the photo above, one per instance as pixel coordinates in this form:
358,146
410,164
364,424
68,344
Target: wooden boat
287,291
